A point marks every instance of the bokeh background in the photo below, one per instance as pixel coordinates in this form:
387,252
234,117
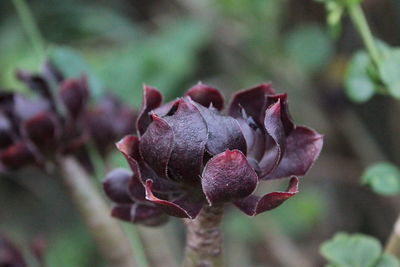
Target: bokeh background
230,44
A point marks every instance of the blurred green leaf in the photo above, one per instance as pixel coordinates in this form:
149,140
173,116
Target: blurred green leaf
163,60
334,17
387,261
352,250
358,84
389,70
383,177
72,247
306,210
71,64
310,47
241,227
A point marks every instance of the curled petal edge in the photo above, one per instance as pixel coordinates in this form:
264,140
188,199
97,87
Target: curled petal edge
254,205
176,208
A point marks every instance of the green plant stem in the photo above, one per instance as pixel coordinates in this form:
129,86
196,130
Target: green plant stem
137,245
393,244
204,239
358,18
30,26
106,231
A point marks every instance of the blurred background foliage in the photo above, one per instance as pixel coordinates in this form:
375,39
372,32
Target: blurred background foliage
230,44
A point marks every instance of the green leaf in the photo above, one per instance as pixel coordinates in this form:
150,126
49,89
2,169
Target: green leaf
389,70
310,47
334,17
388,261
358,84
71,64
355,250
383,177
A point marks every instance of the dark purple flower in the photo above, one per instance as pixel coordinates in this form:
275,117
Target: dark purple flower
57,121
188,153
124,188
10,255
109,120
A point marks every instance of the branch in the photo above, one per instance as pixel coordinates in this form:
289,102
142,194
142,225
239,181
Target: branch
393,244
107,233
204,239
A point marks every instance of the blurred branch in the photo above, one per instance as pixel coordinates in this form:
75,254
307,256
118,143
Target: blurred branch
393,244
281,245
106,231
158,247
204,239
136,241
358,18
30,26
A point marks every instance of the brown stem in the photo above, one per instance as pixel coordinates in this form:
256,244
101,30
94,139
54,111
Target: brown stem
204,239
107,233
393,244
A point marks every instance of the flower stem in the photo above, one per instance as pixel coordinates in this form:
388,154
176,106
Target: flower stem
204,239
393,244
358,18
30,26
107,233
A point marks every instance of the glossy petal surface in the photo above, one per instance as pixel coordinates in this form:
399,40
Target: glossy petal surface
152,99
227,177
253,101
253,205
206,96
190,137
115,185
156,145
303,146
223,132
274,139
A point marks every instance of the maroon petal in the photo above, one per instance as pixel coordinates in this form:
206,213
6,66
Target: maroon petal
156,145
43,130
285,115
129,147
74,94
223,132
253,101
136,189
182,207
17,155
303,146
122,212
253,205
206,96
115,185
227,177
148,215
136,213
274,139
254,136
99,124
190,137
152,99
